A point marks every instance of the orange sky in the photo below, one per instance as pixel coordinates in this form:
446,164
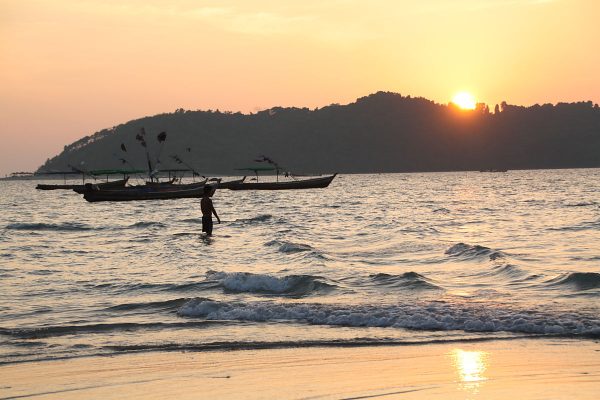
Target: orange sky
71,67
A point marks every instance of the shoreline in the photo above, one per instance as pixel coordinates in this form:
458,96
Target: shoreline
39,177
524,367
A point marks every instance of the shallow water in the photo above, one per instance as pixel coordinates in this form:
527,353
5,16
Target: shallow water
373,259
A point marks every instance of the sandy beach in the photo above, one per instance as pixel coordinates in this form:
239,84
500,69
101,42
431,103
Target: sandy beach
524,369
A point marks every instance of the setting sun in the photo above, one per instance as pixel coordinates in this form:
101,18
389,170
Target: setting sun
464,100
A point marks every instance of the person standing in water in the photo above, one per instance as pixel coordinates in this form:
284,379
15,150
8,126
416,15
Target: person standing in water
206,205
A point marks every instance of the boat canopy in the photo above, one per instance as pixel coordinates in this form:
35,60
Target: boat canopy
176,170
58,173
255,169
116,171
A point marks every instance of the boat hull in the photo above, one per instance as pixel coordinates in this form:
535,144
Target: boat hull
82,188
314,183
136,193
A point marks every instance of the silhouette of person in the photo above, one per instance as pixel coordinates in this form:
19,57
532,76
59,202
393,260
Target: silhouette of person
206,205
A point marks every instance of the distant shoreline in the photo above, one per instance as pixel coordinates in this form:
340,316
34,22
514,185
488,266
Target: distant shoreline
42,177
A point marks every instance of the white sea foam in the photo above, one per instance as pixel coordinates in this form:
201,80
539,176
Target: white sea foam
427,316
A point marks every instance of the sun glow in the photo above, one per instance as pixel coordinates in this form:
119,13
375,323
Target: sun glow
471,367
464,100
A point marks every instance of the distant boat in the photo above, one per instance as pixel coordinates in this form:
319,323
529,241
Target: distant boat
313,183
81,188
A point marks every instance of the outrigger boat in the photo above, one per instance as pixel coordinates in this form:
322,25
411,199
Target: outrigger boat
155,192
146,192
80,188
105,185
313,183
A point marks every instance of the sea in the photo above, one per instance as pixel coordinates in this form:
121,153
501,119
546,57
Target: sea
383,259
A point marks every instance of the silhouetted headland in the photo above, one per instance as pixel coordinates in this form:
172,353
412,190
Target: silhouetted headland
383,132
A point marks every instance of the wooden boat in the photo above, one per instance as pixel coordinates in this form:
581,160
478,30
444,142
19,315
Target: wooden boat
313,183
134,193
146,192
81,188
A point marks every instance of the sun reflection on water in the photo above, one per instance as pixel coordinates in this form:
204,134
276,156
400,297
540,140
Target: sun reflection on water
470,366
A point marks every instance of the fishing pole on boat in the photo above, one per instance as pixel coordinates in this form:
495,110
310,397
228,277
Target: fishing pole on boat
278,168
141,137
161,137
124,160
81,171
178,160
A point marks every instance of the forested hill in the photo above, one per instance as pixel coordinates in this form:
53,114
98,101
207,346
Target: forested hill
383,132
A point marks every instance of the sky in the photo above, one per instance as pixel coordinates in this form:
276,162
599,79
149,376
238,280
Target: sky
69,68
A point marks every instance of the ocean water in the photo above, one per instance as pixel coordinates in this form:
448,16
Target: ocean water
373,259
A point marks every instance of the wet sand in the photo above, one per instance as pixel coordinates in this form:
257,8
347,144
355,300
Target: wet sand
521,369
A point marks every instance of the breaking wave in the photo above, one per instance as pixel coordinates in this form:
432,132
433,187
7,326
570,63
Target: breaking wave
293,285
426,316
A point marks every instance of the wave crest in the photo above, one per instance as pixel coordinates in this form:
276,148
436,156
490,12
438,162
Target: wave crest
408,280
467,251
509,271
254,220
246,282
147,224
578,280
289,247
293,248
